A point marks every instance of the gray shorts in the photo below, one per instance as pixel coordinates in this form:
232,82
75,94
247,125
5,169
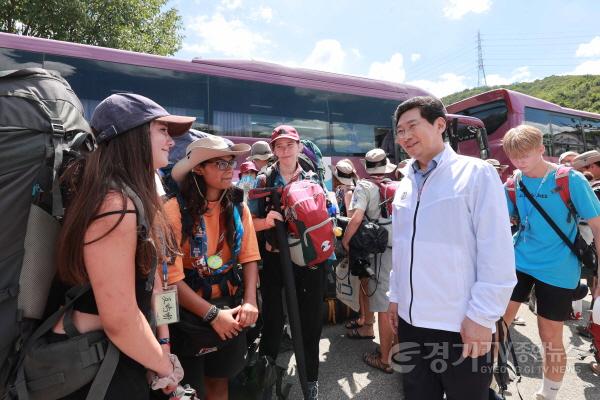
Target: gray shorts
379,285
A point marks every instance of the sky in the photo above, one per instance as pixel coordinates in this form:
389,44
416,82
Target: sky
432,44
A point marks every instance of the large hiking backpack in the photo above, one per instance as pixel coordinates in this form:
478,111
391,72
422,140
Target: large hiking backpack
41,130
387,191
304,205
311,159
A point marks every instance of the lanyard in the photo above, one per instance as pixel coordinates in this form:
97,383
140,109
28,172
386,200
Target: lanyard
165,275
527,205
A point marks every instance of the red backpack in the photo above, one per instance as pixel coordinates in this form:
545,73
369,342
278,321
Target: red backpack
387,191
562,187
304,205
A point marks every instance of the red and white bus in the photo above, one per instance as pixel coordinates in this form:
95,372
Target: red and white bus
563,128
344,115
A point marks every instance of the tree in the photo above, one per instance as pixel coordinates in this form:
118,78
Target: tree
137,25
581,92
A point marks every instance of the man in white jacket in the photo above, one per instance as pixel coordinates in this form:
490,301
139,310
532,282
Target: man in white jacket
453,262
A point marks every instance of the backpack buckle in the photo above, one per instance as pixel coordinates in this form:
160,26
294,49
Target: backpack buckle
57,126
93,355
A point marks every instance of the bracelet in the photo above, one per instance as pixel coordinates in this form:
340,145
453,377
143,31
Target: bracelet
164,341
212,313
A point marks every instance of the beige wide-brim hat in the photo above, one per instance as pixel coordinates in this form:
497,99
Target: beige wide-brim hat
377,163
585,159
344,172
204,149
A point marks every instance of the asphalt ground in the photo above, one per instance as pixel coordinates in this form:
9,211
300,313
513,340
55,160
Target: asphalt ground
343,374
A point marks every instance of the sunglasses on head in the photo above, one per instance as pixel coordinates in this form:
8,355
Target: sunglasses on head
224,165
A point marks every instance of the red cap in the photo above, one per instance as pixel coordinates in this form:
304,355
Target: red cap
247,166
285,131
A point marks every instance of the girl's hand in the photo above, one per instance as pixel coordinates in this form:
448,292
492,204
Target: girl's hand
271,217
248,315
226,324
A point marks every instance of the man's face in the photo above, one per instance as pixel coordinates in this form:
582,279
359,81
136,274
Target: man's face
417,136
527,161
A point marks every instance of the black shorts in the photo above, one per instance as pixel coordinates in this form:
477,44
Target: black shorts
225,363
553,302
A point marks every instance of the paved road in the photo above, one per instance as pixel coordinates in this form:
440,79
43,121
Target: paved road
343,375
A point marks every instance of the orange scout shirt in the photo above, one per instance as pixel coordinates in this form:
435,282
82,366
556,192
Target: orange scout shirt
249,250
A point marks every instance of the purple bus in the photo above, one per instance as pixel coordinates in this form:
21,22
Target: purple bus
244,100
563,128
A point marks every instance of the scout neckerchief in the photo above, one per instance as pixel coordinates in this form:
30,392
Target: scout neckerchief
213,265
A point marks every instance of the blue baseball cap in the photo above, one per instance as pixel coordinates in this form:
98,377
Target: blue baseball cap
121,112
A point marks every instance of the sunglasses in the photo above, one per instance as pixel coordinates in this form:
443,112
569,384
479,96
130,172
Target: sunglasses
224,165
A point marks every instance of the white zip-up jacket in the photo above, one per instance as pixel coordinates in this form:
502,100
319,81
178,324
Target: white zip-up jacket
452,253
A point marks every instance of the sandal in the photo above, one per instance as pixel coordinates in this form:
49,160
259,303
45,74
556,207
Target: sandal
353,324
373,360
355,334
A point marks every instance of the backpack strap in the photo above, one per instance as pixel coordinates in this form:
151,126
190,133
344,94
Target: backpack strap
511,190
562,183
109,359
562,186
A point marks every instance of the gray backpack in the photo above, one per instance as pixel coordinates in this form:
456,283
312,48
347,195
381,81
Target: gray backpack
42,129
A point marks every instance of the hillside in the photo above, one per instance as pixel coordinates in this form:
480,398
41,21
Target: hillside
581,92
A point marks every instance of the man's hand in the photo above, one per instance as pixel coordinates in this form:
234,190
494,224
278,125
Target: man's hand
477,339
393,316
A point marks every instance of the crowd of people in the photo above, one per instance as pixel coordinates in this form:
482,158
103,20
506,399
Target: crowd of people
462,251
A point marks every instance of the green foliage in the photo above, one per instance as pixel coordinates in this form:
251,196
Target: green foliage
137,25
581,92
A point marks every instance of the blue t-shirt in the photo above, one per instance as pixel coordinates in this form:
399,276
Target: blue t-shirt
539,251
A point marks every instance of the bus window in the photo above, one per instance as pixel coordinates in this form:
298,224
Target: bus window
591,128
253,109
18,59
179,92
359,124
492,114
541,120
566,134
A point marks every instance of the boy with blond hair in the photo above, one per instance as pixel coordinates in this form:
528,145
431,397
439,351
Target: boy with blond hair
543,260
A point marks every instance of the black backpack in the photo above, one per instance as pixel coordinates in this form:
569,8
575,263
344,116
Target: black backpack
42,129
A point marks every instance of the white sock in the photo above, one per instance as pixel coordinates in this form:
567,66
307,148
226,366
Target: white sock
549,389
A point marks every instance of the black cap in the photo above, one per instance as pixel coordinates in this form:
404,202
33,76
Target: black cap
121,112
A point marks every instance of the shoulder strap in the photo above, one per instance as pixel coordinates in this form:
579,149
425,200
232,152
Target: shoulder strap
555,227
510,188
270,175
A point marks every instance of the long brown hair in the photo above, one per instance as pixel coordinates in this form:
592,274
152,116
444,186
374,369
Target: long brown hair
123,161
197,205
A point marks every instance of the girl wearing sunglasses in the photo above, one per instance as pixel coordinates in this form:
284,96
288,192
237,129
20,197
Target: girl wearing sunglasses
215,232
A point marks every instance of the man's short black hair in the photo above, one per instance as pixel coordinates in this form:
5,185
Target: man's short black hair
431,108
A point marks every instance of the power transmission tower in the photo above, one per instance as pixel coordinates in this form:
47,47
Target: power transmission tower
480,68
